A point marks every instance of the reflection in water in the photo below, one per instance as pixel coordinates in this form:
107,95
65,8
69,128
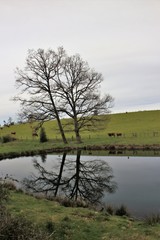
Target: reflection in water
133,152
75,179
43,157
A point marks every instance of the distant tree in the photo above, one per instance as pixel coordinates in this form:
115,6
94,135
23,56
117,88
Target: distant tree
10,121
43,136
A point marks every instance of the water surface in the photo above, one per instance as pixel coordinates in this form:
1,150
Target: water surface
137,178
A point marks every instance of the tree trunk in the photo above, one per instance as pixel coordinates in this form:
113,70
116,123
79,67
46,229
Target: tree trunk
61,130
78,137
57,117
76,129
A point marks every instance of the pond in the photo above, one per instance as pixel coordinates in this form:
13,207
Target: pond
134,180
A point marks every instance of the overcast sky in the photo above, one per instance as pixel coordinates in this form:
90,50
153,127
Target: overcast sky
119,38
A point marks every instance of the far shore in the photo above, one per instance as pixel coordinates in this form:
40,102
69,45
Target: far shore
111,148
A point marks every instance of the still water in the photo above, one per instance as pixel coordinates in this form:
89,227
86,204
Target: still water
137,177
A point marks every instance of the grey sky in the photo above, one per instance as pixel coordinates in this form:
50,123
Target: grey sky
119,38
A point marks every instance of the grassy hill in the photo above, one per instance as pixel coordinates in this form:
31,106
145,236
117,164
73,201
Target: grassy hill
139,128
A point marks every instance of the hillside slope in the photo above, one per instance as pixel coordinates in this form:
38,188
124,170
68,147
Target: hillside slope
134,127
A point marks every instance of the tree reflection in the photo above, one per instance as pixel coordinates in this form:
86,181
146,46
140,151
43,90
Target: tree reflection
74,179
43,157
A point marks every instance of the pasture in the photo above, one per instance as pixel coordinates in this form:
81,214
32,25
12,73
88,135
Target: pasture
132,128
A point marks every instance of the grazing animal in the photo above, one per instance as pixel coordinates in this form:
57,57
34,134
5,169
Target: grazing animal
111,134
13,133
34,135
119,134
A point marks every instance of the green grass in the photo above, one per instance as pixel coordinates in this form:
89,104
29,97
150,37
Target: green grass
80,223
138,128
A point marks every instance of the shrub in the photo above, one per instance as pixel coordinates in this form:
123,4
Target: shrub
16,227
122,211
110,210
19,228
10,184
7,138
4,193
66,202
43,137
153,219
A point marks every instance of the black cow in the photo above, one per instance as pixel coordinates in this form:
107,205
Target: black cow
119,134
13,133
111,134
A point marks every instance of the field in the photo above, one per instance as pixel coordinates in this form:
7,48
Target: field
135,128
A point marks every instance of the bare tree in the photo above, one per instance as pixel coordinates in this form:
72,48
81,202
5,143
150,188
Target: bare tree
56,85
78,91
37,84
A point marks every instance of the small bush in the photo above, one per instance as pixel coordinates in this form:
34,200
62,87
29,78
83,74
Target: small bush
43,136
66,202
122,211
110,210
4,193
7,138
10,185
16,227
19,228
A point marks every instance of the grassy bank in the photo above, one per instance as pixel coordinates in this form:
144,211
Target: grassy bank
80,223
137,128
